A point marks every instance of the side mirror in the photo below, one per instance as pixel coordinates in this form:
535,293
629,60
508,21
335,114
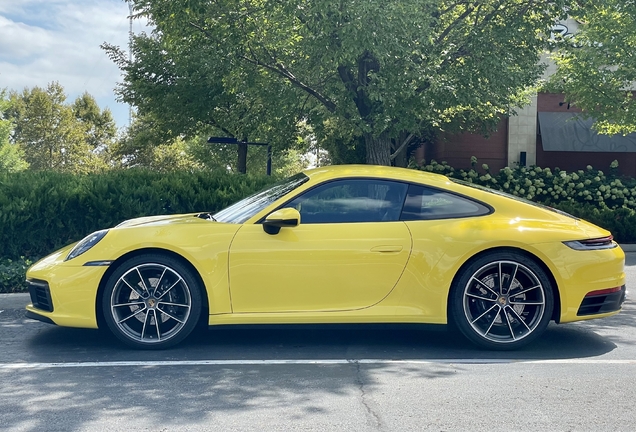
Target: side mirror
285,217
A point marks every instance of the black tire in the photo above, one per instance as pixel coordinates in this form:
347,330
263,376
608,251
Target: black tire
152,301
501,301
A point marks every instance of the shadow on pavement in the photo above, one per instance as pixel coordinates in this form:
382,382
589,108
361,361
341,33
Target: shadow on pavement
353,342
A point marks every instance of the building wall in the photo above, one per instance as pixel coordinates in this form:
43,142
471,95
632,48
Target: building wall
572,161
457,149
522,134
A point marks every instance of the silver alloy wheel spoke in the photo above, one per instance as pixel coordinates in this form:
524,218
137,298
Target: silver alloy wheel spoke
143,283
170,316
504,317
173,304
134,288
485,286
154,290
525,291
518,317
500,277
493,320
137,312
481,298
482,315
129,304
168,290
143,329
526,303
154,312
511,280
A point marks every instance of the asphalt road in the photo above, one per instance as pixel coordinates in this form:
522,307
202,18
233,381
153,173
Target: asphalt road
578,377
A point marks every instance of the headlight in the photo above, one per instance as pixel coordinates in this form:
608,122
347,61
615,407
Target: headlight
85,244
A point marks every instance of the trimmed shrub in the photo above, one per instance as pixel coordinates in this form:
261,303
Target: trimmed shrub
12,275
43,211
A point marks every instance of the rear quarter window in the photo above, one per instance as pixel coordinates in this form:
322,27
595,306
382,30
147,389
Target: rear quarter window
424,203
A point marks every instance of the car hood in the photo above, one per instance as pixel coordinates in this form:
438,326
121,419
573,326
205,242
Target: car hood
167,220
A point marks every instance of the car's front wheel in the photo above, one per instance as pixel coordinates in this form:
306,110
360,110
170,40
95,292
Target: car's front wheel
501,300
151,302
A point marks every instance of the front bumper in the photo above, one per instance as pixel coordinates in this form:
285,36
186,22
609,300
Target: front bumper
63,293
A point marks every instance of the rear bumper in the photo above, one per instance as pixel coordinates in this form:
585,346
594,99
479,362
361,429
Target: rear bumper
602,303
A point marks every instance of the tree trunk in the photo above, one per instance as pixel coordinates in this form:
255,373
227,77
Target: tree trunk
378,149
241,164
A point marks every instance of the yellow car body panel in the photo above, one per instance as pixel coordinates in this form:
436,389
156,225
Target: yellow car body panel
339,273
316,267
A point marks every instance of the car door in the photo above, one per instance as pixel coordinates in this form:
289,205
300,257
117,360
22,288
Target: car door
348,252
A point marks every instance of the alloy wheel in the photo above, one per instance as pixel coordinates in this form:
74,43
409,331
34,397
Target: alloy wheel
504,301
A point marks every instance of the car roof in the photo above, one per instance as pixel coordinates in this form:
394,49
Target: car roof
376,171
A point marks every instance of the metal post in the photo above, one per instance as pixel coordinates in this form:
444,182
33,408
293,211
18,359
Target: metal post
269,160
130,56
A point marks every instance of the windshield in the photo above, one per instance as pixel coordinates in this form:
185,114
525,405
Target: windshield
246,208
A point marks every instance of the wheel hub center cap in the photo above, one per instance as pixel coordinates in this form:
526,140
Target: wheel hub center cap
151,303
502,301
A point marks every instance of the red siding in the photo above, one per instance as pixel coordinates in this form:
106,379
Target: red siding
457,149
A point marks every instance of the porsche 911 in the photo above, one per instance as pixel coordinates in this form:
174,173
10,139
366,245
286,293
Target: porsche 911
339,244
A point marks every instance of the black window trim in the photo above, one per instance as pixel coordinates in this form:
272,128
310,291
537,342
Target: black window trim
491,210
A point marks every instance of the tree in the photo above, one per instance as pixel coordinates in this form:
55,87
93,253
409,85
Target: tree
99,126
597,65
11,156
55,135
144,145
186,89
383,70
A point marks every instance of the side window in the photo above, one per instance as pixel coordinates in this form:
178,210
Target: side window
424,203
352,200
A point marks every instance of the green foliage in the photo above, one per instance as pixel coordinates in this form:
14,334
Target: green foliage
11,156
42,211
607,200
597,66
55,135
377,69
621,222
12,274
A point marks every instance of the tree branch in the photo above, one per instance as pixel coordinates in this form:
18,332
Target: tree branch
454,24
401,147
281,70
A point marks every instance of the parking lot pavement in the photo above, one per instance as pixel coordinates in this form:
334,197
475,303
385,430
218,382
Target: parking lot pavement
579,376
14,301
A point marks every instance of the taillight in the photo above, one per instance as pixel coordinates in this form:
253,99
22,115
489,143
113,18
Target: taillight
592,244
603,292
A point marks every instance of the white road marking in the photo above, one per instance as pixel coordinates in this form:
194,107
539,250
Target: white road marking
5,366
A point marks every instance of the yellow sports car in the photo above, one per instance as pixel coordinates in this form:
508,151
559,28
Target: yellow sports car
340,244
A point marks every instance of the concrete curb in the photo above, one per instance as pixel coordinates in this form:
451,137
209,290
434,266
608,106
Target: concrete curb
628,247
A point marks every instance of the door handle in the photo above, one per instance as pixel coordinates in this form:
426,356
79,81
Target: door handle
387,248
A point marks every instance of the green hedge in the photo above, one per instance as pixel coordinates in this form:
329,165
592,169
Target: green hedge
43,211
607,200
12,275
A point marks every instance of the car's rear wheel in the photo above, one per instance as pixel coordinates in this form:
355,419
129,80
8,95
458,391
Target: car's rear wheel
501,300
152,302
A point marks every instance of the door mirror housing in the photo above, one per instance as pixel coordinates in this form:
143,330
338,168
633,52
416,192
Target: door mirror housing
285,217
